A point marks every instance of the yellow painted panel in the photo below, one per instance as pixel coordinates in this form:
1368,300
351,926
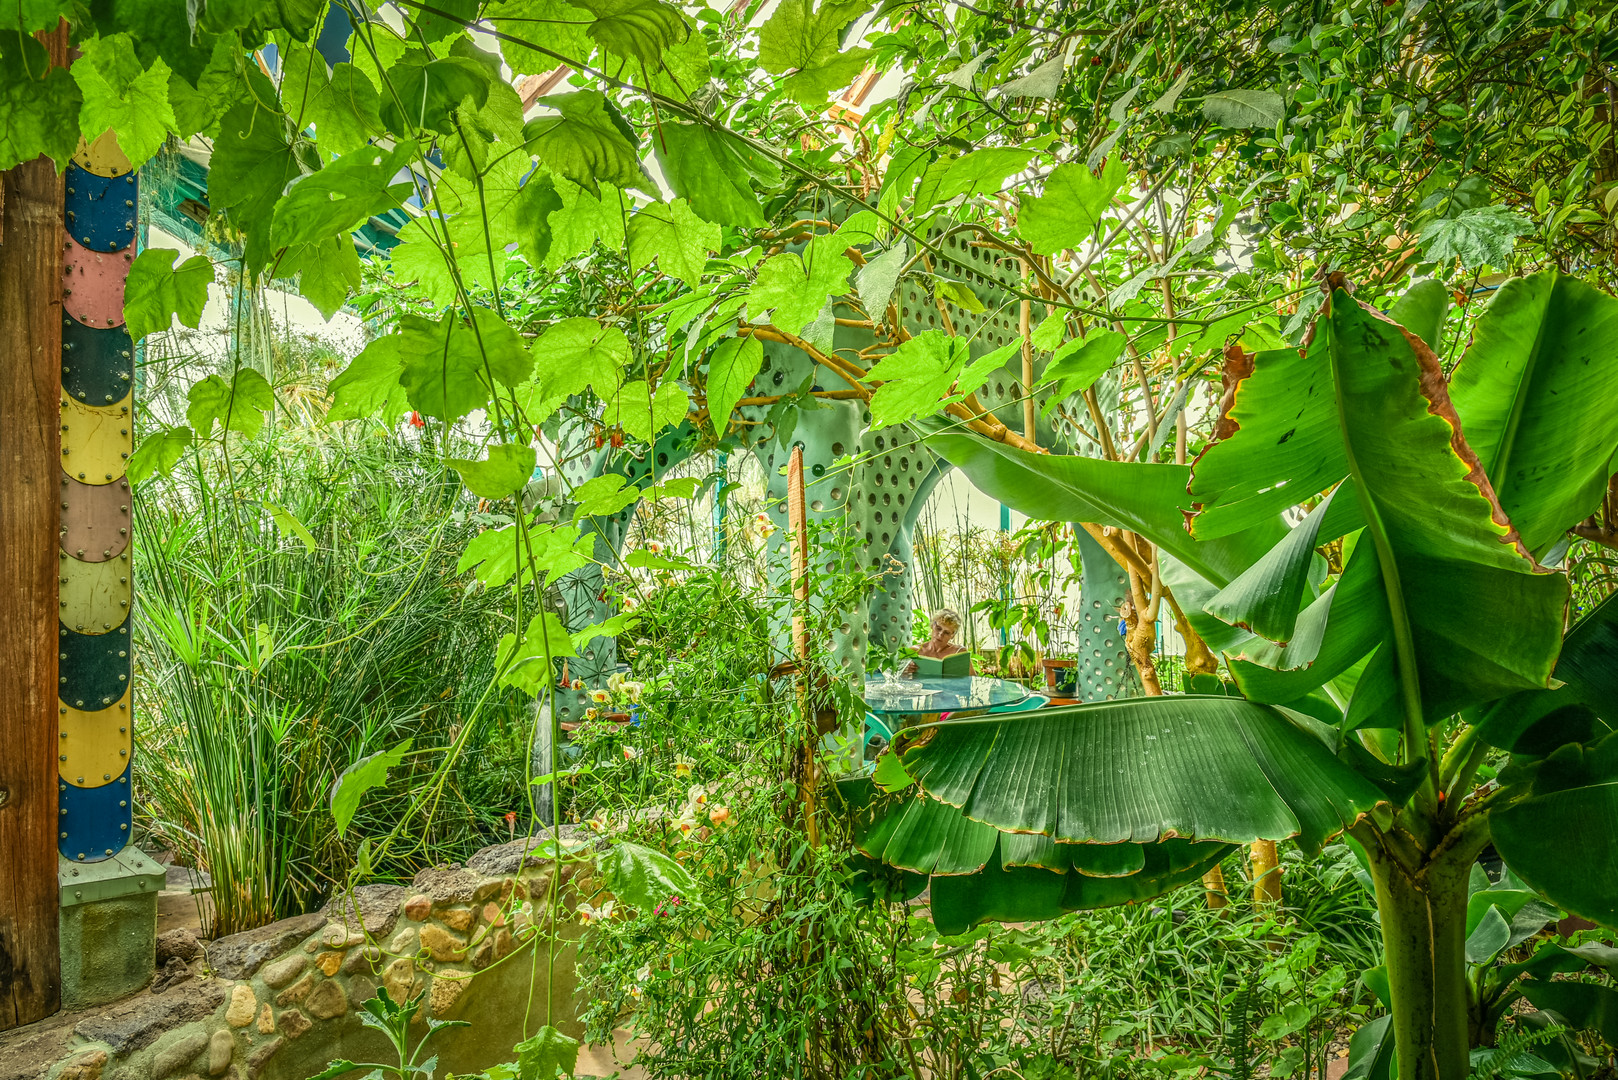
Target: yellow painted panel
102,155
96,440
93,748
94,596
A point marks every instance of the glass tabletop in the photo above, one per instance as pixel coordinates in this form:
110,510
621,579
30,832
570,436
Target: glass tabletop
967,693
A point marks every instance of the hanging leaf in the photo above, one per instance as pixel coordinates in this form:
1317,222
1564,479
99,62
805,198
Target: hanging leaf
526,664
504,472
579,354
41,105
341,197
366,773
644,879
159,452
1043,82
157,291
1482,236
915,376
122,96
445,367
714,171
673,237
642,29
588,142
1069,210
805,44
1244,108
238,405
792,289
732,366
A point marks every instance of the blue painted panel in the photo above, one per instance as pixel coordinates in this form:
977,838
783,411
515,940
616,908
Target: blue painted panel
94,669
97,363
100,210
93,823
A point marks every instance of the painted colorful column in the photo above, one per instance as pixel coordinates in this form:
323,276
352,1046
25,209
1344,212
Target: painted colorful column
95,696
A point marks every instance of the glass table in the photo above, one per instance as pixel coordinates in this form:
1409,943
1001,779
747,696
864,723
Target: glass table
967,695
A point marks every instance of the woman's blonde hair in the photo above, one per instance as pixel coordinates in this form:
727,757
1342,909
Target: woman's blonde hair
946,615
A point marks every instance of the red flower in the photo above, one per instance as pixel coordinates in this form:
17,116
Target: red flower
416,420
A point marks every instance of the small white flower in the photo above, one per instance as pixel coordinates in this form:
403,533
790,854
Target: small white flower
588,913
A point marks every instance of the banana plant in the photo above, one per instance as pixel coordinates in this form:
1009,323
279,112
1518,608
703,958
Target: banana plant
1374,684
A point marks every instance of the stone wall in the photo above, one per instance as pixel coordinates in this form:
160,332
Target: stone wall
279,1002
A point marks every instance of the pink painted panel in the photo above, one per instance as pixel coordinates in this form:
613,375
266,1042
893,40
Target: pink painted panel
93,283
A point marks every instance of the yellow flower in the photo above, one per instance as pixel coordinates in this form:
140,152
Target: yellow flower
697,795
682,770
601,697
591,714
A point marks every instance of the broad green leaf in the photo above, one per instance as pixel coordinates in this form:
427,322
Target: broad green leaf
427,93
1490,936
1043,82
877,279
713,170
121,95
1534,393
732,366
1244,108
587,141
504,472
1583,1006
620,623
28,16
604,495
1001,893
257,17
490,130
915,376
1146,498
370,385
446,366
1421,309
981,172
792,289
1067,212
1265,598
641,29
39,106
341,197
578,354
557,28
807,42
641,413
1448,556
1481,236
526,664
1558,828
675,238
1076,366
1277,444
253,161
327,271
537,200
1062,773
237,405
157,290
582,220
547,1053
418,260
159,452
643,878
368,772
344,107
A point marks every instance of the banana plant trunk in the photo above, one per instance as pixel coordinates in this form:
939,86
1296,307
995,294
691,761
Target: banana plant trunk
1421,894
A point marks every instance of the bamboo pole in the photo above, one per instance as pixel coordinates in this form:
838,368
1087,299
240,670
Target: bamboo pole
798,526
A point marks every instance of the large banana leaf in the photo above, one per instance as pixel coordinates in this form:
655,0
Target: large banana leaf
1279,445
1145,769
1558,828
1008,893
1585,708
1147,499
1535,393
1484,618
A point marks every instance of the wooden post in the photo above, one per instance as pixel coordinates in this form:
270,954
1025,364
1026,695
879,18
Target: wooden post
798,525
30,389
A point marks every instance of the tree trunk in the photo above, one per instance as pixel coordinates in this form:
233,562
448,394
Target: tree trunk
1423,913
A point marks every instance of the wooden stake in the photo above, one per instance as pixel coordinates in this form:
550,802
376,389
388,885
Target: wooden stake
30,480
798,526
1266,868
